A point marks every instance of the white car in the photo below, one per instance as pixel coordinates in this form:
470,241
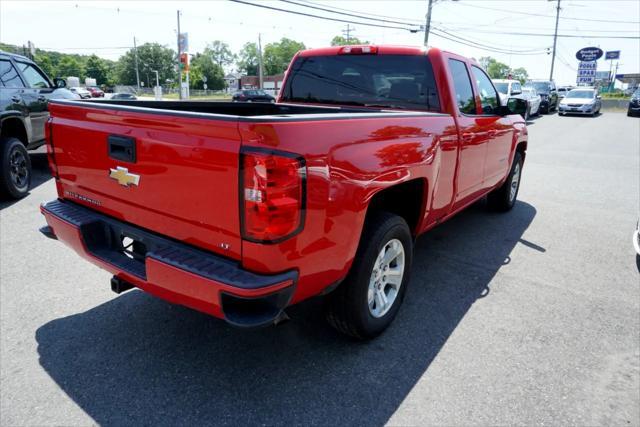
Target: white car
582,100
507,88
636,238
532,97
81,92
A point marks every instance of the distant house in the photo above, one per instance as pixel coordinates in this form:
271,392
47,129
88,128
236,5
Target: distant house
233,82
271,84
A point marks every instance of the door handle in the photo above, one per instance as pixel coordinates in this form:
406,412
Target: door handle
16,99
467,136
42,98
492,132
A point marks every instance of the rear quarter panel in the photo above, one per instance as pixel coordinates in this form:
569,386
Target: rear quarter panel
348,162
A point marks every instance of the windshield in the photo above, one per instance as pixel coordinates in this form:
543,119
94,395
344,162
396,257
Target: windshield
541,86
576,93
502,87
393,81
636,94
528,91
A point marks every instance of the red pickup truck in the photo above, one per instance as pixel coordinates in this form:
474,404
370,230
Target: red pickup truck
240,210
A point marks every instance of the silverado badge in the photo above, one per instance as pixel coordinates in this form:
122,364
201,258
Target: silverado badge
123,176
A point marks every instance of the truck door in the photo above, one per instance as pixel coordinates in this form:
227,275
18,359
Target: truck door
497,128
473,138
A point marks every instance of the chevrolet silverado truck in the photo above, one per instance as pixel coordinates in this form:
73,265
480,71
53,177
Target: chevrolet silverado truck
240,210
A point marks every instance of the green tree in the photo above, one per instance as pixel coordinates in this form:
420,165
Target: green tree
248,59
70,66
220,53
151,57
44,61
203,65
98,69
495,69
278,55
342,41
521,74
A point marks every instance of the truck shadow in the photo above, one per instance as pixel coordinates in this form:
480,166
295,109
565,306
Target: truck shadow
137,360
40,174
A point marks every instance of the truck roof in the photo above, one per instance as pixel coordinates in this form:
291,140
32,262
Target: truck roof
381,50
15,55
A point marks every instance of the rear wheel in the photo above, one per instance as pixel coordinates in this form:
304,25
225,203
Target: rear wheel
15,175
504,197
366,303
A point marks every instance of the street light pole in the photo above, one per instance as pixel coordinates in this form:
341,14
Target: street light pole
135,53
179,69
260,77
428,24
555,40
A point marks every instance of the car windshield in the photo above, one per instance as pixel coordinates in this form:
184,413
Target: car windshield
502,87
528,91
636,94
577,93
541,86
391,81
261,92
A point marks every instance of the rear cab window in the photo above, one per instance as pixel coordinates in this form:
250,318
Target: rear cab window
392,81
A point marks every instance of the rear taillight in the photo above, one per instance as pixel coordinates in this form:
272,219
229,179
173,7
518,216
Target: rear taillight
51,157
358,50
272,195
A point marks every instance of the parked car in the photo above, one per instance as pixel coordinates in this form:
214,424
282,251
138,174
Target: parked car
252,95
533,100
562,91
582,100
124,96
81,92
634,104
636,238
507,88
24,93
96,92
548,94
267,205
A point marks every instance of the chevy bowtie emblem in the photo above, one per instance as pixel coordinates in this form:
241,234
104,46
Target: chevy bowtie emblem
123,176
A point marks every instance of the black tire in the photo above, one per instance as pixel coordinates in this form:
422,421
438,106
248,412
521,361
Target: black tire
347,308
15,168
502,199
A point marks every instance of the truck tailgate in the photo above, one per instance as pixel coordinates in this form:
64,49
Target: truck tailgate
176,175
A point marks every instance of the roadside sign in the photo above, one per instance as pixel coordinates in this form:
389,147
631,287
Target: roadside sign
602,75
183,42
587,72
612,54
589,54
205,86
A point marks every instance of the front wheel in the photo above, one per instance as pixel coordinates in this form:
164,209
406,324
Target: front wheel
367,301
504,197
15,172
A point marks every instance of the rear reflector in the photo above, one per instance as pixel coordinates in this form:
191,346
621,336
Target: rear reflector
273,195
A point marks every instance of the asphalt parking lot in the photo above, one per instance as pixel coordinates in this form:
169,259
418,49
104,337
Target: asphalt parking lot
529,317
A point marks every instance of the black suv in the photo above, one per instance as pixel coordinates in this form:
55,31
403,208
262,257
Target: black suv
548,94
24,93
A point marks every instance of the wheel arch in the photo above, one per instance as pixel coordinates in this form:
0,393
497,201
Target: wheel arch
13,126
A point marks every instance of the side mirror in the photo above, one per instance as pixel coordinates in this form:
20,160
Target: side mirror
598,97
516,106
59,83
516,93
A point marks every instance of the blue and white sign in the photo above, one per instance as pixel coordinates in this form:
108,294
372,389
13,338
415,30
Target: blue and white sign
589,54
587,72
612,54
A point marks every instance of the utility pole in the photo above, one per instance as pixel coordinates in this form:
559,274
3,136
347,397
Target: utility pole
135,54
555,40
260,61
179,69
347,33
427,26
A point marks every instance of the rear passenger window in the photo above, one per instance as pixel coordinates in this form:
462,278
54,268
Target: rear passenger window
488,95
8,74
462,85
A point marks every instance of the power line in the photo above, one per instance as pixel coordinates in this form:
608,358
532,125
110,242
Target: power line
491,46
549,16
417,21
322,17
347,14
590,36
488,49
